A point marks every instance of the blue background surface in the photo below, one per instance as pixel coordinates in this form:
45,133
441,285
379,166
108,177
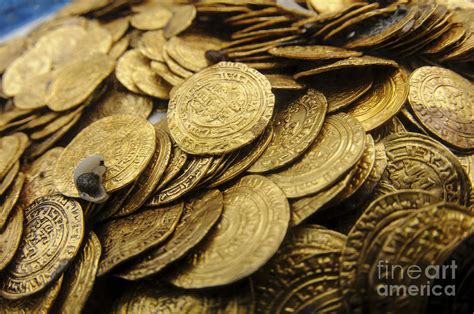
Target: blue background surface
17,13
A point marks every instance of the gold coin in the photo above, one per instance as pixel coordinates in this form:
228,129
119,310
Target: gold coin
126,143
416,161
108,209
164,71
119,48
443,101
390,127
56,124
9,145
304,207
35,91
149,179
151,45
240,96
190,176
385,98
150,83
341,93
79,279
7,180
130,236
41,302
10,236
183,17
156,18
201,212
242,241
296,127
10,198
313,52
281,81
117,27
245,158
174,66
177,161
351,62
337,149
126,65
53,232
11,50
77,80
189,50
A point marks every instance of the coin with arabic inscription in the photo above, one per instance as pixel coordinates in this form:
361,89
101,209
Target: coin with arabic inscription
253,224
53,232
126,143
220,109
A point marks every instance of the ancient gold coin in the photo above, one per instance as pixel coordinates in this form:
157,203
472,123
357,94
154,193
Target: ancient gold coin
174,66
342,92
177,161
130,236
9,145
150,83
56,124
126,143
285,82
183,17
77,80
79,279
295,129
156,18
10,236
165,72
313,52
416,161
35,91
53,232
117,27
151,45
126,65
384,99
7,180
11,50
240,97
42,302
201,212
10,198
149,179
242,241
337,148
443,101
190,176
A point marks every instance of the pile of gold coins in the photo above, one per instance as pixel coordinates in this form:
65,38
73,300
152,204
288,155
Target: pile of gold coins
239,156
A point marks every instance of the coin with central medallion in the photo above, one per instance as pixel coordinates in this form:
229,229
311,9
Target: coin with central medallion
127,144
253,224
53,232
220,109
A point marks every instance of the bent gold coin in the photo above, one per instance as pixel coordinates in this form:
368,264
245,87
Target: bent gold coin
253,224
53,232
220,109
126,143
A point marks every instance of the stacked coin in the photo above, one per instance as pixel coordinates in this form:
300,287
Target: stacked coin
251,156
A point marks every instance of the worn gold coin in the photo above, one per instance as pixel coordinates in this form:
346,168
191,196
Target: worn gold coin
79,279
385,98
53,232
149,179
127,237
313,52
126,143
337,149
10,198
11,50
127,65
9,145
156,18
220,109
151,45
253,224
285,82
295,129
201,212
10,236
165,72
150,83
77,80
7,180
443,101
183,17
35,91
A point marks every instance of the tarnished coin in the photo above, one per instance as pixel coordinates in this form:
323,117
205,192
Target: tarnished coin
42,302
10,198
253,224
127,237
183,17
126,143
295,129
77,80
10,236
416,161
79,279
384,99
443,101
337,149
201,212
53,232
313,52
192,173
149,179
220,109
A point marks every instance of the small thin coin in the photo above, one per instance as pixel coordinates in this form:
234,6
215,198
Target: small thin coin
183,17
10,236
156,18
313,53
8,201
7,180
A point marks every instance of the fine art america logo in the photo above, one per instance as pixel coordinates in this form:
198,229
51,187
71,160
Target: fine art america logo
393,279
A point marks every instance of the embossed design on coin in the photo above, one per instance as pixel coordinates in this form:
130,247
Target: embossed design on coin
220,109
